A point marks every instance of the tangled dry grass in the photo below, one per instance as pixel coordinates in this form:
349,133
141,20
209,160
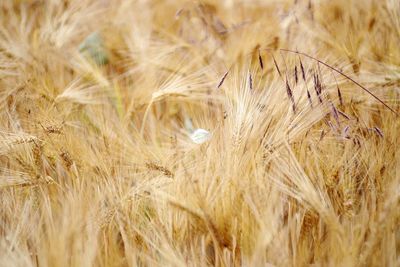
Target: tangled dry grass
296,161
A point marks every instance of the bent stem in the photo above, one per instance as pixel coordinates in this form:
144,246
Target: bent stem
340,73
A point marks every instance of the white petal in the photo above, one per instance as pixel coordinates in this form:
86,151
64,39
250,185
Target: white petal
200,136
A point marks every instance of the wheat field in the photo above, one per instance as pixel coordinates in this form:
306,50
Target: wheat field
199,133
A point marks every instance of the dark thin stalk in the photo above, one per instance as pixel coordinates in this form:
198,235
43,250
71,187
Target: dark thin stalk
260,60
223,79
